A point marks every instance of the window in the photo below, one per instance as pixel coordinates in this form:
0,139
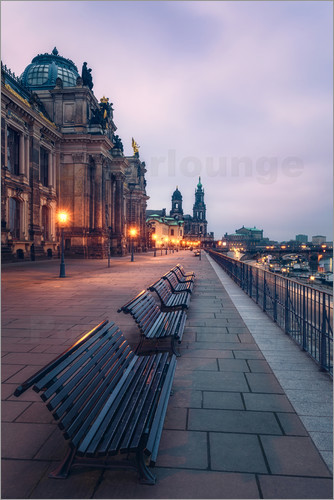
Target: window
13,151
44,166
37,75
69,79
45,222
14,217
172,232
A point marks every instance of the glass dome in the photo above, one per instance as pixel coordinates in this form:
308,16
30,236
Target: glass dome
46,68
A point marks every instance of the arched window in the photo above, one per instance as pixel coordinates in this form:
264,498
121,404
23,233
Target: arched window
14,217
45,222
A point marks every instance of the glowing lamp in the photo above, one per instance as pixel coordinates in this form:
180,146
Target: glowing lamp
62,217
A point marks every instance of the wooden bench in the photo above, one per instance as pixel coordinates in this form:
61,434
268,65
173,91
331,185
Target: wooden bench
107,401
169,301
154,324
183,273
182,279
176,286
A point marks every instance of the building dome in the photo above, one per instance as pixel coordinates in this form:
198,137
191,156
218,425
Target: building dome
46,68
199,185
177,194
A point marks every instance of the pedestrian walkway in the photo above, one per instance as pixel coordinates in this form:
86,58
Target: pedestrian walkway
309,390
230,430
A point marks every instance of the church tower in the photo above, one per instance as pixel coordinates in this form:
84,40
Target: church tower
199,222
177,211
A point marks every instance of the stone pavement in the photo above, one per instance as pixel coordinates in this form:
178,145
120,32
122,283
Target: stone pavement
230,430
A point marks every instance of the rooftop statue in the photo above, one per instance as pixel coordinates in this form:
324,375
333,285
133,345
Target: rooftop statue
118,142
135,147
86,76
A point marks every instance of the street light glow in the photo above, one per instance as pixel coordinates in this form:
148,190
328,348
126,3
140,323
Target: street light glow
133,232
62,217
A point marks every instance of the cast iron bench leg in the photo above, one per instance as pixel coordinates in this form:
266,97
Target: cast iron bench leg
173,342
63,469
145,475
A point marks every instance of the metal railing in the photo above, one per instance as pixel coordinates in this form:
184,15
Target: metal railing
303,312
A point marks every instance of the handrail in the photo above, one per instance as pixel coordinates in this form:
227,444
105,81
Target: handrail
303,312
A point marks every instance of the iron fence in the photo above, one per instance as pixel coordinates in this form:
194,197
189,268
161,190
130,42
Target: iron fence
303,312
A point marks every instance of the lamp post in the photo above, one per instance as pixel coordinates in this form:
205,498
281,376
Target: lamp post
166,240
62,218
154,238
109,243
133,234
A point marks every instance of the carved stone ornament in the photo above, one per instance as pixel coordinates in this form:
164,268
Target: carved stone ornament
78,157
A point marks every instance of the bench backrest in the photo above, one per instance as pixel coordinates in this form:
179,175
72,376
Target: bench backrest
171,278
183,272
144,310
163,290
177,272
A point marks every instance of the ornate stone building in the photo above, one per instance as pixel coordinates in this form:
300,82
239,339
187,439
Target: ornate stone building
195,226
60,152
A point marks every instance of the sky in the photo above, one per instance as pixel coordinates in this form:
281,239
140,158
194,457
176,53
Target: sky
239,93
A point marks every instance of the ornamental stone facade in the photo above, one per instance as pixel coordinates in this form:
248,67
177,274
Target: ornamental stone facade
194,228
60,152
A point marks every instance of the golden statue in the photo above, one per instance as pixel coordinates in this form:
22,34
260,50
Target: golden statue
135,146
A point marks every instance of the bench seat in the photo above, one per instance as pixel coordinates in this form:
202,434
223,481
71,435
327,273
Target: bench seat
107,401
154,324
169,301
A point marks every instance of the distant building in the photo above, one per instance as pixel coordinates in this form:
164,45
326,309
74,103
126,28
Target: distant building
318,240
164,231
246,238
301,238
193,227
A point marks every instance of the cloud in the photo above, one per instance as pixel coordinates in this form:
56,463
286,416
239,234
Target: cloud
202,83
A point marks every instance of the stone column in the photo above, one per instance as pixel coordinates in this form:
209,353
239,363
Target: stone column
119,207
50,170
21,156
27,159
98,192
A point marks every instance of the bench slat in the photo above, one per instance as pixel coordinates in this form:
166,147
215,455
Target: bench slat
107,404
82,414
153,441
109,425
149,403
140,411
78,381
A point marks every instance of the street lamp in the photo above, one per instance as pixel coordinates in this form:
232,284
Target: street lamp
109,243
62,219
154,238
166,240
133,234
